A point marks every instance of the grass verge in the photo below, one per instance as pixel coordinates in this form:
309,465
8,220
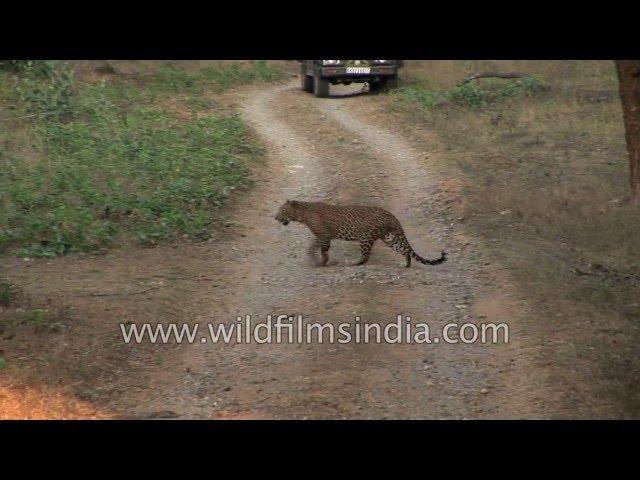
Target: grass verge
541,176
544,173
90,164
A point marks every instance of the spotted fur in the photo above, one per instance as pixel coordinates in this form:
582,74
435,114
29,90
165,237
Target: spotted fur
359,223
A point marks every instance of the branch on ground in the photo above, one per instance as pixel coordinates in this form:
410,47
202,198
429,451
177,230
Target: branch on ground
475,76
115,294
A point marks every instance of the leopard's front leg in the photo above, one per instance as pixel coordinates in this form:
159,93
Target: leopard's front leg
323,243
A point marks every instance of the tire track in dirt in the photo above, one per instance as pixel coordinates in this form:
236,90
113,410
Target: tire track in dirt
317,150
289,381
519,386
381,169
273,380
269,273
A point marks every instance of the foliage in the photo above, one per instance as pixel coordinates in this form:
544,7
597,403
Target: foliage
471,94
107,160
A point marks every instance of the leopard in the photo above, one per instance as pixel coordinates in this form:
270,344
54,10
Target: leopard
360,223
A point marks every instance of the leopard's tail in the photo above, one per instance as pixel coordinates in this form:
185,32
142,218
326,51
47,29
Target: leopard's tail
398,241
436,261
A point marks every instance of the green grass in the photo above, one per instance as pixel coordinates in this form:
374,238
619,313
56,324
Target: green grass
17,310
93,163
173,79
472,94
8,294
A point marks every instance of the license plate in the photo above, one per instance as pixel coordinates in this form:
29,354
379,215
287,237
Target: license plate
358,69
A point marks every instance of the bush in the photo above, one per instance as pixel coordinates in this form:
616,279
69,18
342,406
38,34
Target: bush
472,95
46,87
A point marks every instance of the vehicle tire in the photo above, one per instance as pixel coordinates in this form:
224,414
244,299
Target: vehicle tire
376,87
391,83
320,86
306,82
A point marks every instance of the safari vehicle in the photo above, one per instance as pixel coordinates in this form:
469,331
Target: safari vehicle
317,75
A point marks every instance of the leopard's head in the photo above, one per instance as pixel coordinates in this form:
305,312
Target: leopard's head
287,212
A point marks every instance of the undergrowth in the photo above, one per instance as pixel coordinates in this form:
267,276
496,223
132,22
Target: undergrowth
87,164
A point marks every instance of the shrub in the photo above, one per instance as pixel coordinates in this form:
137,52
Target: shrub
471,94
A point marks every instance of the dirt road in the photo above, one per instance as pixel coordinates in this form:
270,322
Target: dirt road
321,150
318,149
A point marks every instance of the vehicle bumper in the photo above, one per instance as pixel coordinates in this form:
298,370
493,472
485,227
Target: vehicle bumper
375,71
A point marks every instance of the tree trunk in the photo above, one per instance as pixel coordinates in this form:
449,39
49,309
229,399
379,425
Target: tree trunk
629,77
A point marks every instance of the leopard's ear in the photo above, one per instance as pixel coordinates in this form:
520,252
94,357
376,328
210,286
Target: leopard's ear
293,203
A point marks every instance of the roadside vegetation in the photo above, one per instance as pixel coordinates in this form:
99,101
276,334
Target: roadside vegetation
544,169
93,162
18,310
539,170
101,155
470,95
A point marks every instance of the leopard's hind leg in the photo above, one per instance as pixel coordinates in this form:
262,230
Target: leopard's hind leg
398,242
365,250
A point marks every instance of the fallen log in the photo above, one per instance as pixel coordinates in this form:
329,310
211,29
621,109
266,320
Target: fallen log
475,76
